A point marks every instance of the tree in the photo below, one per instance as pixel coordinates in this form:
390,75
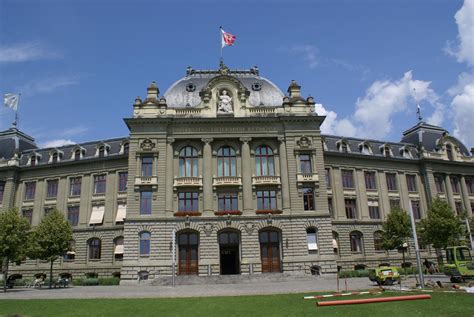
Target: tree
441,227
14,231
51,239
396,229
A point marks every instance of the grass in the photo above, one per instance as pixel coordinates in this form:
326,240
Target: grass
442,304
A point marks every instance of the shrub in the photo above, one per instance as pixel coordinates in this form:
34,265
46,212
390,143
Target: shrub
109,281
355,273
86,281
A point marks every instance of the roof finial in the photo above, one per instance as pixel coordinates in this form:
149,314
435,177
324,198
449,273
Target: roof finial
418,108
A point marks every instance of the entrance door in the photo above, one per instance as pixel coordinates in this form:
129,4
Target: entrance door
270,251
188,253
229,252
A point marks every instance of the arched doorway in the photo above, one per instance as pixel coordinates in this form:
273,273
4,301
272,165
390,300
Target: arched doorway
229,252
270,250
188,245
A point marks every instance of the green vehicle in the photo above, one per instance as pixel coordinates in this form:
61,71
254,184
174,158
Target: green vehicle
384,275
460,264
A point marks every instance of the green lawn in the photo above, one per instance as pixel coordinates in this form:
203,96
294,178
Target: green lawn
442,304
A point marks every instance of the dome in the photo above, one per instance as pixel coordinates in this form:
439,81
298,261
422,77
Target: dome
185,92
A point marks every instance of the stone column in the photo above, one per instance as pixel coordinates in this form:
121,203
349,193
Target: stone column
449,192
246,176
169,176
285,185
207,176
465,195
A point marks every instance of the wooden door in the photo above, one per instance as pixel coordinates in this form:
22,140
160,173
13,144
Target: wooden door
188,253
270,251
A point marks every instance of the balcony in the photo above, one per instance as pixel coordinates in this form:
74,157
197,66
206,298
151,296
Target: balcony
227,181
307,178
187,181
146,180
265,180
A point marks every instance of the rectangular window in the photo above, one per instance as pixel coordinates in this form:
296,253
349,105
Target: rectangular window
305,164
28,214
330,207
145,202
370,182
312,240
30,189
266,200
73,215
439,182
147,166
347,179
328,178
123,178
75,186
411,183
308,198
394,203
52,188
351,208
391,181
458,207
227,201
374,212
99,184
454,184
2,191
469,185
188,202
415,206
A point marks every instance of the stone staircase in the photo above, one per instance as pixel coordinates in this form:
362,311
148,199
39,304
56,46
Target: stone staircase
232,279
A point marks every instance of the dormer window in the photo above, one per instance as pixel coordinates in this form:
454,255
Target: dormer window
406,153
343,147
125,148
54,158
365,149
102,151
386,151
449,152
33,160
77,155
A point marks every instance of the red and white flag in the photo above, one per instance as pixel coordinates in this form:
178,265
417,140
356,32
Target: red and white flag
227,38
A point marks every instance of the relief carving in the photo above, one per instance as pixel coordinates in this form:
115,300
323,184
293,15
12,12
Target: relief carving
147,145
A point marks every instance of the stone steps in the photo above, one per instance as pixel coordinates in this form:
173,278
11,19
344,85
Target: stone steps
232,279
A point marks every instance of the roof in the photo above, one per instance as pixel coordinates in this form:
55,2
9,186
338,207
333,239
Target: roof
185,91
12,139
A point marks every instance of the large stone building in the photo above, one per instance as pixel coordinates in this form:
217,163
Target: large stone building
239,174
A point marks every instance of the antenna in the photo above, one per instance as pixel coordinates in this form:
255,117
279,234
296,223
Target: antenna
418,108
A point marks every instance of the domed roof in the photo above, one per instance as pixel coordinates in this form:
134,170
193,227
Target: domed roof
185,92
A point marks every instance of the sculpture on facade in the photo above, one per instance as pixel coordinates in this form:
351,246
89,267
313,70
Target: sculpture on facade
225,103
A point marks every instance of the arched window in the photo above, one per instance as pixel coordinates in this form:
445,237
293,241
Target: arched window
378,241
343,147
118,248
386,151
226,161
33,160
188,162
335,242
312,240
364,149
125,148
77,154
449,152
264,161
356,241
54,158
145,243
94,249
102,151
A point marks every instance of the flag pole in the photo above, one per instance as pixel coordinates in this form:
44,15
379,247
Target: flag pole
220,36
15,123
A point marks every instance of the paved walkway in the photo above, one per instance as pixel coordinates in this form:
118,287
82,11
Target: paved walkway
316,284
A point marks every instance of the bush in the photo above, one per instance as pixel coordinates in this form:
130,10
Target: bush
355,273
96,281
109,281
22,282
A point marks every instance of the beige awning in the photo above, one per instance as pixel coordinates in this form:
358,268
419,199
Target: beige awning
71,252
97,216
121,212
334,244
374,203
118,249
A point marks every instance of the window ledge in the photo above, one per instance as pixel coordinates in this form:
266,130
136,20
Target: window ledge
274,212
228,212
187,213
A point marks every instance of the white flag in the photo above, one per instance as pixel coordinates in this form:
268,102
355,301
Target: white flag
11,101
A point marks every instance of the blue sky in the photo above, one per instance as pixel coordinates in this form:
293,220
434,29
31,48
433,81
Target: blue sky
80,64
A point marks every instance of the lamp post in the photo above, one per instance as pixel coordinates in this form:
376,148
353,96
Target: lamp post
417,249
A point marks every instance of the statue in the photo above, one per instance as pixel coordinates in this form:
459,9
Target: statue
225,103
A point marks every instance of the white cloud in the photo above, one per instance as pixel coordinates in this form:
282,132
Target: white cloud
23,52
48,84
464,52
309,53
463,112
383,99
56,143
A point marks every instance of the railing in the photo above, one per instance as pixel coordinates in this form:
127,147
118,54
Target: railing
146,180
187,181
262,109
307,177
185,111
265,180
227,180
